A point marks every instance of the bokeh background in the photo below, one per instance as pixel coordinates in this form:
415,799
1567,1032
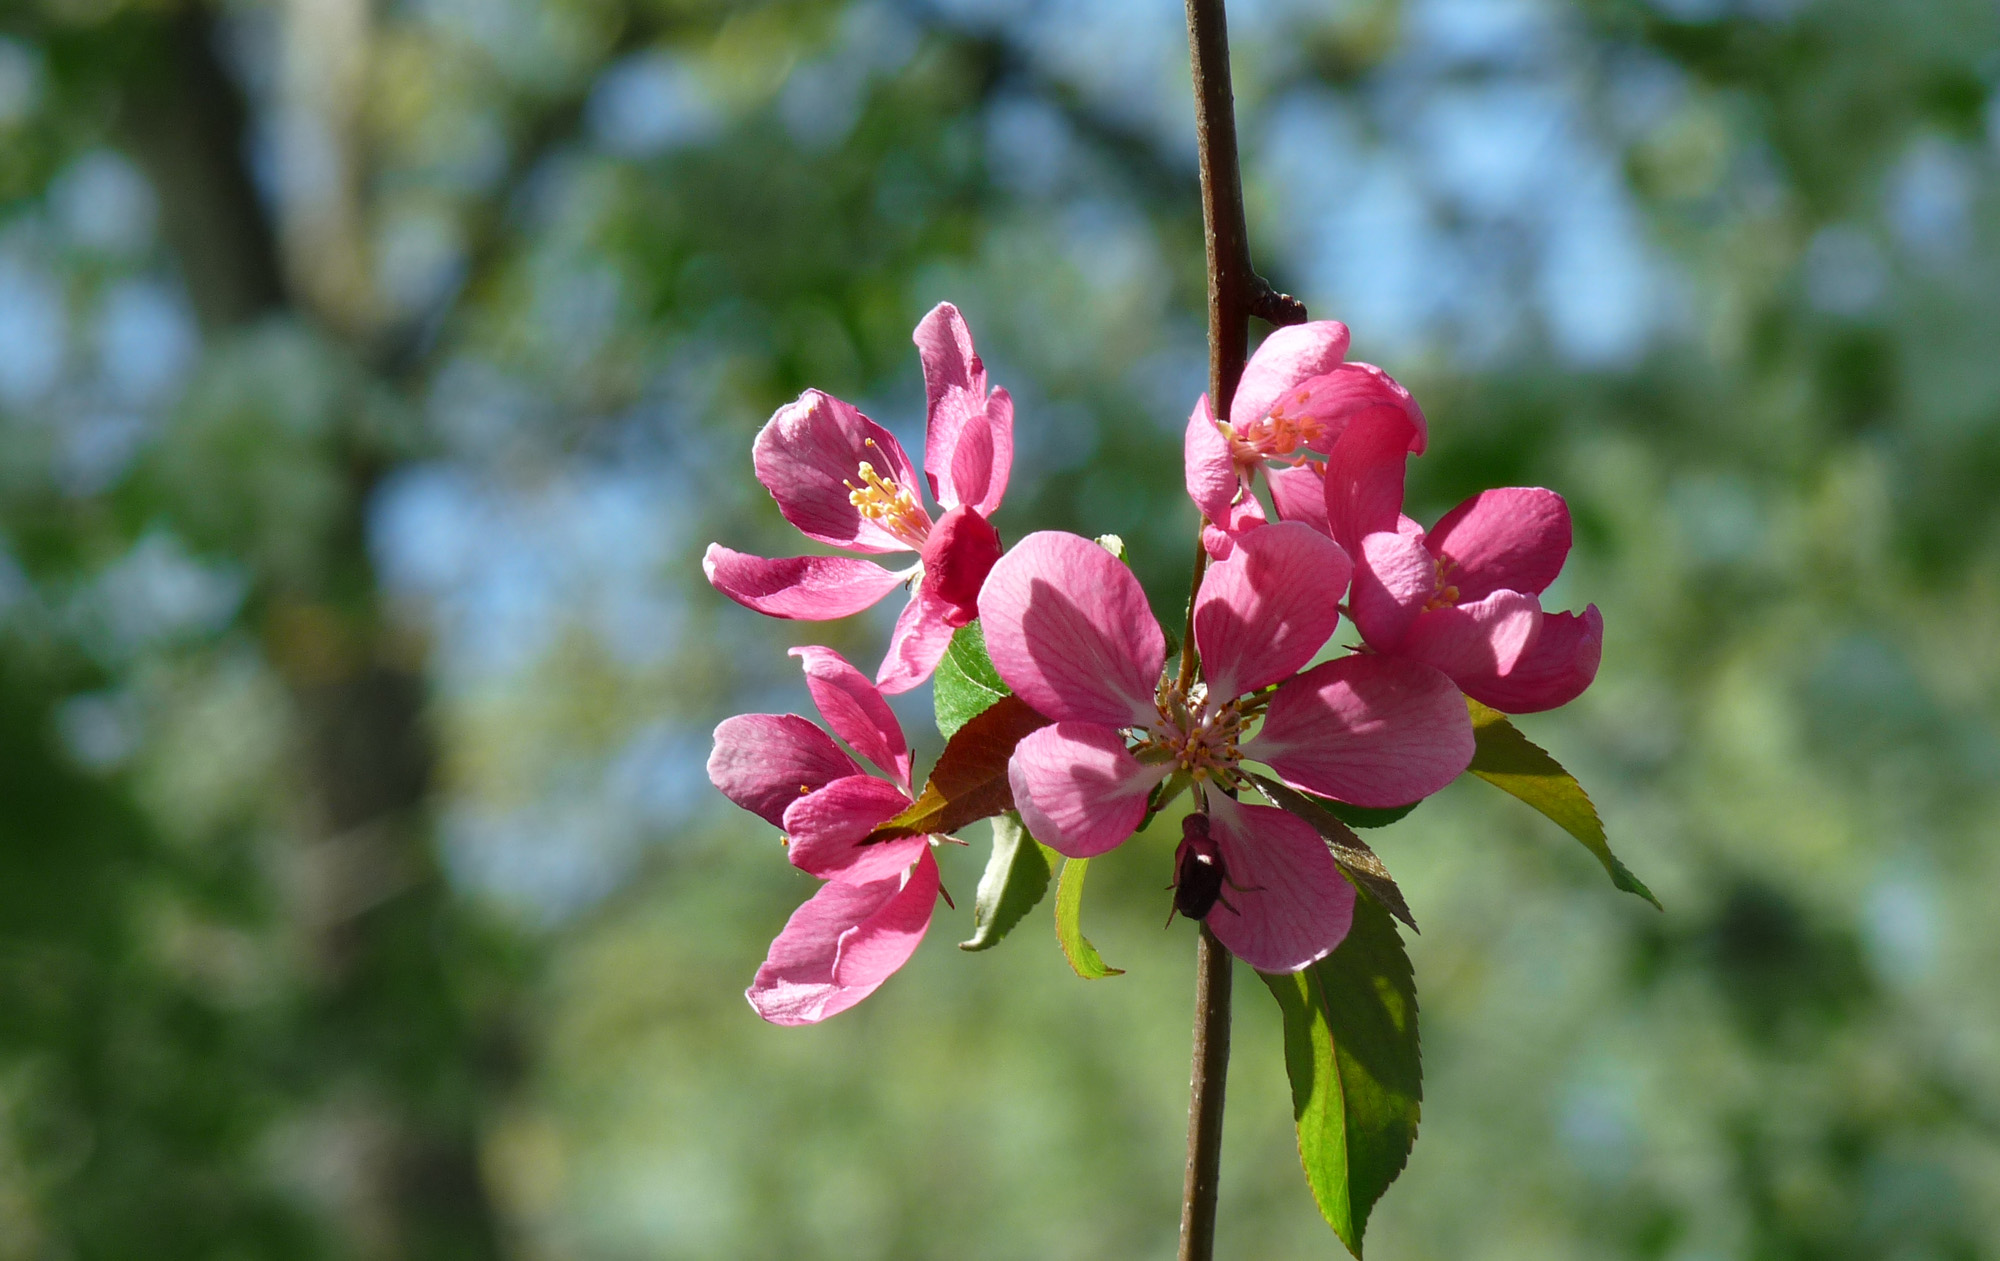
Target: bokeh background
372,373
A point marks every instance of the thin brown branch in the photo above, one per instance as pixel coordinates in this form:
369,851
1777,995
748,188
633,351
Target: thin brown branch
1234,290
1212,980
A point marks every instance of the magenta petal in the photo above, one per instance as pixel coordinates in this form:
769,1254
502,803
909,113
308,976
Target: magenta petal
765,762
1288,357
1079,790
1212,480
1351,391
1219,540
954,387
1263,612
1069,629
809,457
1000,462
840,946
1300,495
971,463
1513,539
854,708
1558,666
1395,578
808,588
944,346
923,632
1291,904
958,555
969,440
1369,730
827,827
1364,477
1476,642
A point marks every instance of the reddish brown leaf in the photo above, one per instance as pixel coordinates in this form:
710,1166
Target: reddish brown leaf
969,782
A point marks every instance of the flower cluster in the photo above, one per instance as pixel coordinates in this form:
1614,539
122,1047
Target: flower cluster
1253,707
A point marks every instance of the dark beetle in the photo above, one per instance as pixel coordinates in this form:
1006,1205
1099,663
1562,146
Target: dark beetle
1198,871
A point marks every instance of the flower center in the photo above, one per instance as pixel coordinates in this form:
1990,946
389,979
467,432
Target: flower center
1444,595
888,505
1278,436
1195,737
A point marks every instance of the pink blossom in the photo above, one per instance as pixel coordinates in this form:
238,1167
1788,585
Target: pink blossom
1463,596
1070,631
1296,398
873,910
844,480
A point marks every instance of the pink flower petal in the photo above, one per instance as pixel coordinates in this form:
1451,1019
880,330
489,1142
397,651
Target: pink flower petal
1245,514
1477,642
840,946
1292,905
1364,477
827,827
1300,495
1558,666
809,457
954,387
1349,392
1395,578
808,588
1079,791
969,440
1212,480
960,552
971,463
1513,539
944,345
1288,357
765,762
1000,422
1262,613
982,457
1069,629
854,708
1369,730
916,645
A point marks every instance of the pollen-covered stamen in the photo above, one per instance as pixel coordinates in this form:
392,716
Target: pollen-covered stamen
1279,435
1192,736
1445,594
889,505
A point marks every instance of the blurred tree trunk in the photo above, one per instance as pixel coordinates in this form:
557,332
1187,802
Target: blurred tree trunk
398,1056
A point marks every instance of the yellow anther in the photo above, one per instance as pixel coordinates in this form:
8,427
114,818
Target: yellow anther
881,500
1445,594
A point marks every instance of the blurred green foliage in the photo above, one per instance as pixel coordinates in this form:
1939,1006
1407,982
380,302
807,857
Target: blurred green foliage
371,375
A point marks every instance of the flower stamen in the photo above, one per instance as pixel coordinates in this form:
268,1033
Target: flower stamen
1445,593
1201,742
1277,436
894,508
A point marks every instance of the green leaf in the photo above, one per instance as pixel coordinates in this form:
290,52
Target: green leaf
1350,852
1515,764
969,782
966,684
1356,1069
1082,956
1363,816
1017,875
